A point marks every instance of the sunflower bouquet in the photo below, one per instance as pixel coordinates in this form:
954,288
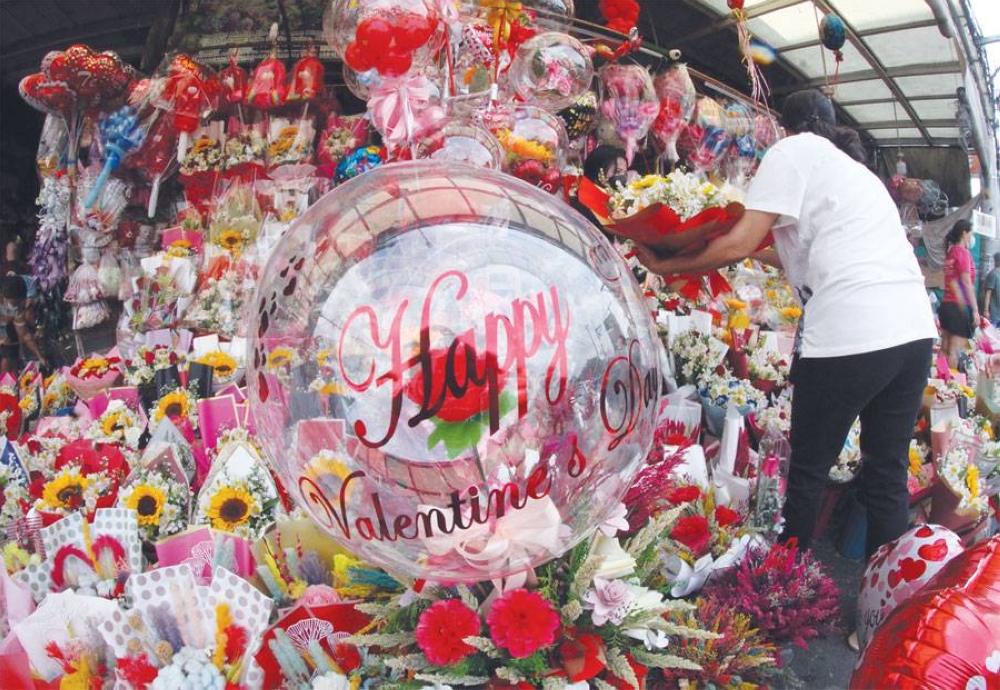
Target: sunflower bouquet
118,424
56,393
226,368
178,405
161,501
239,495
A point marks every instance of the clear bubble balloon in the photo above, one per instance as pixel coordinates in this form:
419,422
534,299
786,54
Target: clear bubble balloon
677,96
463,143
628,101
453,376
361,84
534,143
551,70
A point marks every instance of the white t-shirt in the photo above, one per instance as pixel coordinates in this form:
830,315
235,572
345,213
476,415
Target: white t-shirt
843,248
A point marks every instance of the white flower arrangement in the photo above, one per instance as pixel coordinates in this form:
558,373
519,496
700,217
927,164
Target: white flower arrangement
767,365
14,494
961,475
722,390
686,193
147,361
697,355
778,414
219,305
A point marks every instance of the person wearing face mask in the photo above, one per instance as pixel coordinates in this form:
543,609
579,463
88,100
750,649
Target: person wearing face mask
15,329
867,331
607,168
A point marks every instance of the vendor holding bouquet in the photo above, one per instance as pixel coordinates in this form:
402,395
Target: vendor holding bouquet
865,338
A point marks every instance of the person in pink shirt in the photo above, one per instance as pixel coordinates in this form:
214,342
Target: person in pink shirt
959,313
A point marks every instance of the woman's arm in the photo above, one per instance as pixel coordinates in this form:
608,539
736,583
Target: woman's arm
768,256
737,244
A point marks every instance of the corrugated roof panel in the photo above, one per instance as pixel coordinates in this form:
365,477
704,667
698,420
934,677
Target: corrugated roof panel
878,112
889,136
878,14
911,46
810,61
938,109
867,90
930,84
787,26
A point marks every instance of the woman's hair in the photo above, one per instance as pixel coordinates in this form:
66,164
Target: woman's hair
599,160
810,111
954,235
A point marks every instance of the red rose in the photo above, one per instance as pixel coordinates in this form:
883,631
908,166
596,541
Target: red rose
522,622
725,516
442,629
456,379
684,494
692,532
583,658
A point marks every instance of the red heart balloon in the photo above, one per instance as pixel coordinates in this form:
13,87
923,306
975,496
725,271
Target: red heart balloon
50,97
894,578
945,636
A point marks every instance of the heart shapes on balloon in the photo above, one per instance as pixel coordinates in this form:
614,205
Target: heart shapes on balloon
52,97
95,78
934,552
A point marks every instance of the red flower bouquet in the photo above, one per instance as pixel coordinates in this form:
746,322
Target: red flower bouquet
692,532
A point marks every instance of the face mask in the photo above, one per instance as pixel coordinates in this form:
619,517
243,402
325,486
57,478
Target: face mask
617,181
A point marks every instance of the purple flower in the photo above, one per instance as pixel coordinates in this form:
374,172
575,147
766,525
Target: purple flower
609,600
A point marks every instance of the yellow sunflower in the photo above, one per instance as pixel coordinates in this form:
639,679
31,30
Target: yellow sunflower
65,491
791,313
94,366
148,502
279,357
231,507
174,405
916,461
972,481
114,422
222,364
231,240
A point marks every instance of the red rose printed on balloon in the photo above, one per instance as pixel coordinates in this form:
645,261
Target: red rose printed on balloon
454,388
522,622
442,629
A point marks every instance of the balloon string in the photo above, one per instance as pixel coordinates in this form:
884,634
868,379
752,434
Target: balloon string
759,89
822,53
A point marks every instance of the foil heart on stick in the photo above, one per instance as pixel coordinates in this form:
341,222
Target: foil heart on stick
52,97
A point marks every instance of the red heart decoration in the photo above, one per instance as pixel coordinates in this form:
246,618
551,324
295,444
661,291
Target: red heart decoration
894,577
924,532
50,97
934,552
874,580
912,568
96,78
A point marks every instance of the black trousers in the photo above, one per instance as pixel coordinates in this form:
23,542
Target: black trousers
885,389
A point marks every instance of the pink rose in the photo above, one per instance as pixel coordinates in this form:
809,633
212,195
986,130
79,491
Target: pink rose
609,601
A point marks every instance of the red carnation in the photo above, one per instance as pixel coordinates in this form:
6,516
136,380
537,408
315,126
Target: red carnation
469,391
683,494
522,622
236,643
725,516
442,629
692,532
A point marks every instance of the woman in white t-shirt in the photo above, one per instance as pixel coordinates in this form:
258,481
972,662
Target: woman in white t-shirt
867,330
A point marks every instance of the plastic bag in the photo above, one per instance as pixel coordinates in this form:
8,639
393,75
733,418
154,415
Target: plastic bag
109,275
90,314
84,285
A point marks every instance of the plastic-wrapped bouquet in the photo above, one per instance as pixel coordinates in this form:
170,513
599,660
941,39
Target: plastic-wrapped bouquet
239,495
219,305
687,194
160,501
697,356
723,390
960,473
118,424
91,375
147,360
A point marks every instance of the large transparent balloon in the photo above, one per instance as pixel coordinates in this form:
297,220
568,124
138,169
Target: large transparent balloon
453,375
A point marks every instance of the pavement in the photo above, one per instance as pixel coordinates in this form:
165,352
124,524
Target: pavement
829,662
